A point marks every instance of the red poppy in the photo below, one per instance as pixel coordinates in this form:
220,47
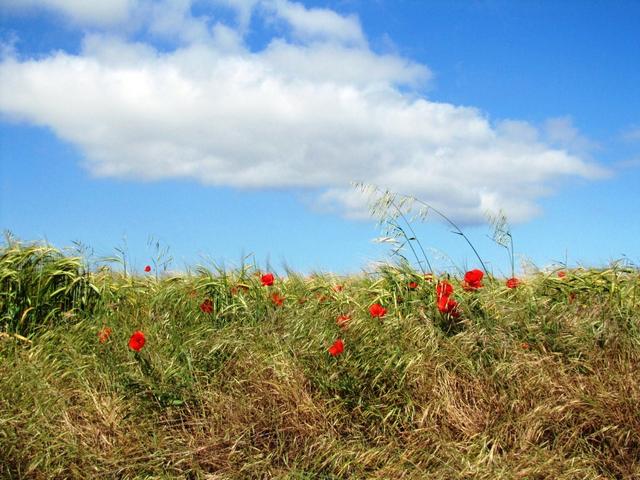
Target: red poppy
377,311
338,288
449,306
136,342
207,306
104,334
412,285
473,279
562,274
337,348
277,299
147,268
342,321
525,346
513,282
444,289
267,279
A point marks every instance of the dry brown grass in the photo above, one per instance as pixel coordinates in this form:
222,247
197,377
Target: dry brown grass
528,385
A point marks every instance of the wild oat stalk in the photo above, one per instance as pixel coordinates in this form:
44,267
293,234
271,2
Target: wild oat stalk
388,211
161,258
390,206
502,235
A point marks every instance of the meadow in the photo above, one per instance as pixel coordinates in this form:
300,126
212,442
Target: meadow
389,374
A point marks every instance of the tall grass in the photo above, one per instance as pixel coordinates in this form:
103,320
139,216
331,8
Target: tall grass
540,381
40,286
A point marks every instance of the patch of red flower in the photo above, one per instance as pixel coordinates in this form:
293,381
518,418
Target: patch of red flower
377,311
207,306
448,305
147,268
513,282
562,274
337,348
473,280
412,285
277,299
443,289
267,279
343,320
104,334
338,288
136,342
525,346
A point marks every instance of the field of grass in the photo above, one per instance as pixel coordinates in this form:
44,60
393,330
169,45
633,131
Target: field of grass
236,379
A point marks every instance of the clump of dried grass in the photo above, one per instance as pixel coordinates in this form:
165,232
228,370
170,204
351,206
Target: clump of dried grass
531,383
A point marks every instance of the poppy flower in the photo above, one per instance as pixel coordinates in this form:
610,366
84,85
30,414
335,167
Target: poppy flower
377,311
513,282
136,342
277,299
207,306
342,321
337,348
473,279
338,288
267,279
147,268
444,289
562,274
525,346
104,335
449,306
412,285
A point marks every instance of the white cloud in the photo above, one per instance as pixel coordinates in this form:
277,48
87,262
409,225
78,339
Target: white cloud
561,132
82,11
341,65
243,8
318,23
315,114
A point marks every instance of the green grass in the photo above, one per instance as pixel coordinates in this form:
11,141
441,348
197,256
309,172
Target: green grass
541,381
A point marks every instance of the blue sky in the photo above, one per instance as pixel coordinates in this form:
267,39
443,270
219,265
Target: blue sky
226,128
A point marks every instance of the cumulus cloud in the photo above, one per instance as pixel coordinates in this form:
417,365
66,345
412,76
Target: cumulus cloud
318,23
316,111
561,132
81,11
